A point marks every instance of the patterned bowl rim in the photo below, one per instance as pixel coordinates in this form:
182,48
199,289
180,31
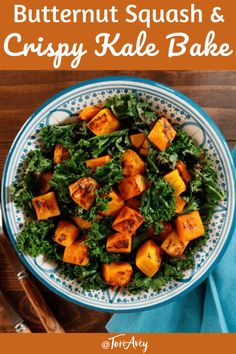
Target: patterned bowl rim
155,84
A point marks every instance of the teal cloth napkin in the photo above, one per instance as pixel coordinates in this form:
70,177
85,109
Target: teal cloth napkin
211,307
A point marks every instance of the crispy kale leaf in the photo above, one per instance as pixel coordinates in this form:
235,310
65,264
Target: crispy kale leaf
63,134
109,174
204,187
36,239
26,188
181,148
37,162
158,203
22,193
129,106
113,143
96,237
89,277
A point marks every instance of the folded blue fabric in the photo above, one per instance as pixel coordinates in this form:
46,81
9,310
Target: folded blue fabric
211,307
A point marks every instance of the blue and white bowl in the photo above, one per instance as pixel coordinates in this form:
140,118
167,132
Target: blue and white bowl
193,120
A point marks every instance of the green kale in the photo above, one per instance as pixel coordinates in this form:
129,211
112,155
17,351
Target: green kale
112,143
191,205
142,283
27,187
109,174
96,236
100,204
89,277
181,148
129,106
65,173
36,239
22,193
158,203
37,162
204,186
123,106
63,134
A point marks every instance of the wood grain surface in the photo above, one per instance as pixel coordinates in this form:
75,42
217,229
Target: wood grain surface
21,92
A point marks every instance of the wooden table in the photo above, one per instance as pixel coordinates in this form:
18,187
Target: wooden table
21,92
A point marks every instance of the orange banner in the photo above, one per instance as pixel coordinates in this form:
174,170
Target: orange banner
137,35
118,343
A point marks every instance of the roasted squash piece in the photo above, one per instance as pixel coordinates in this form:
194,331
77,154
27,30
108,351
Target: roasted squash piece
89,112
162,134
189,226
119,243
44,179
133,203
104,122
65,233
183,171
76,254
127,221
180,204
83,191
144,149
168,228
174,179
148,258
114,205
98,162
173,245
137,139
117,273
82,223
132,164
132,186
60,154
46,206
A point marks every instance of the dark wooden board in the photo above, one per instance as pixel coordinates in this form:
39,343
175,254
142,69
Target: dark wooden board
21,92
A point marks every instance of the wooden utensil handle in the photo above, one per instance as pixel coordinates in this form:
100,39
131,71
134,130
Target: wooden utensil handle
37,301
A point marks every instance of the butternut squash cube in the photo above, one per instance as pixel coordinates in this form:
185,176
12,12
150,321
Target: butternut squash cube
60,154
180,204
83,192
127,221
46,206
137,139
173,245
65,233
89,112
168,228
189,226
114,205
119,243
148,258
117,273
144,149
98,162
82,223
132,164
76,254
174,179
44,182
133,203
132,186
162,134
104,122
183,171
